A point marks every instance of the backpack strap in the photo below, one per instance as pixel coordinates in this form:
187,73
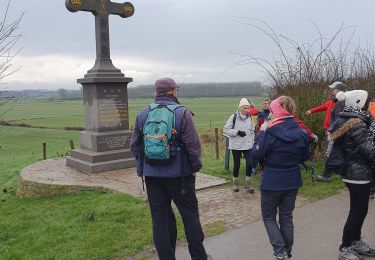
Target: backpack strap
173,108
234,120
152,106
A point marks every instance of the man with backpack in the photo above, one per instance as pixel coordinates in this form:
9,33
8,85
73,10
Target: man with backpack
166,146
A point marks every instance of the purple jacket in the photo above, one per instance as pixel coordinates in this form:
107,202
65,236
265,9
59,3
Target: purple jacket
187,160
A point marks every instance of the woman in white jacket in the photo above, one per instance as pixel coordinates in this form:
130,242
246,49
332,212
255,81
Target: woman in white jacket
241,131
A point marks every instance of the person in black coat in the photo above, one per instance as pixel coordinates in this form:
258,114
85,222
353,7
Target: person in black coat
354,129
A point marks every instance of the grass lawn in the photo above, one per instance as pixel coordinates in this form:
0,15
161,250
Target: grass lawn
91,225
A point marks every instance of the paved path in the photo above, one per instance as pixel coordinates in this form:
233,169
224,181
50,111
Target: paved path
233,209
318,231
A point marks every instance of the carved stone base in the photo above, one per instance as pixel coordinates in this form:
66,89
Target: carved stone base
102,151
93,163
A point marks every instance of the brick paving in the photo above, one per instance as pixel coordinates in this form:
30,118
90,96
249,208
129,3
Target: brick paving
234,208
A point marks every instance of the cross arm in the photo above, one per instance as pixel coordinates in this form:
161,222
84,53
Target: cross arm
124,10
80,5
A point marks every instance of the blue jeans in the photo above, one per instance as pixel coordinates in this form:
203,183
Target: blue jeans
281,235
161,192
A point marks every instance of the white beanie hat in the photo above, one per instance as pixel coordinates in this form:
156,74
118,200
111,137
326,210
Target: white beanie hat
244,102
354,98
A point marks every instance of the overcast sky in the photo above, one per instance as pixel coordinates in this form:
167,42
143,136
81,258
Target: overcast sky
189,40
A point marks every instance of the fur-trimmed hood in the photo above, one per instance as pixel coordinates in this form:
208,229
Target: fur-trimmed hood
345,128
346,121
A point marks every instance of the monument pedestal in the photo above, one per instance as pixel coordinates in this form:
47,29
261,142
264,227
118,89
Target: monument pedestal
105,143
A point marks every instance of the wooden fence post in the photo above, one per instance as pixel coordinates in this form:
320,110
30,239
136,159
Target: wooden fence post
217,143
44,145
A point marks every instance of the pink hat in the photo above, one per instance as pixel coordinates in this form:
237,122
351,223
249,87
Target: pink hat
277,110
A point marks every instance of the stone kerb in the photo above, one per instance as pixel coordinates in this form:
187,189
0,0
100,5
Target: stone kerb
53,177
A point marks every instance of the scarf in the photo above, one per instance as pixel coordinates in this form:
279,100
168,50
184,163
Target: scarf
365,115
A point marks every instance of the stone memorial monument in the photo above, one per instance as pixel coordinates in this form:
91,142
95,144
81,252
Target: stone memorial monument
105,141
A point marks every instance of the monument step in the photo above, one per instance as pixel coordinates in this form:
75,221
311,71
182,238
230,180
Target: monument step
96,157
99,166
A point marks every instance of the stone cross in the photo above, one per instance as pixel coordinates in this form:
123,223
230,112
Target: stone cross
105,142
101,9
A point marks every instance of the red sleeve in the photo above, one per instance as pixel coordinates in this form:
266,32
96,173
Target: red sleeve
303,126
321,108
253,111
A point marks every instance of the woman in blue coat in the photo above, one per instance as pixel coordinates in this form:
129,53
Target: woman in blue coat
282,146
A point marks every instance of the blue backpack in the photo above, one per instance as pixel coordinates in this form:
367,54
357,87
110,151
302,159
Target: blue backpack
159,134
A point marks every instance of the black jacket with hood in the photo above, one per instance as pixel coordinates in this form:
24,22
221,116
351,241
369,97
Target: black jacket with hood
359,149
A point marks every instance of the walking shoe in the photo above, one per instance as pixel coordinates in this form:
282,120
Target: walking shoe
235,186
248,186
362,248
322,178
282,256
372,195
346,253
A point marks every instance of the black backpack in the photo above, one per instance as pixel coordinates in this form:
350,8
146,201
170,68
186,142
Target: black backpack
337,159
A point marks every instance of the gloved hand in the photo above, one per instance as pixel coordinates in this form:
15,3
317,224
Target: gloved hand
315,138
241,133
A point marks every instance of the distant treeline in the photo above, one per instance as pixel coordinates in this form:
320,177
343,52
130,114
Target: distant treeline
230,89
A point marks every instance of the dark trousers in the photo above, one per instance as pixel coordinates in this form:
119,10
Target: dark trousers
161,192
237,162
359,198
280,234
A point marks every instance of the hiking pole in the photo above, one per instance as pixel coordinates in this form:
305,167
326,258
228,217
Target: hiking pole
312,155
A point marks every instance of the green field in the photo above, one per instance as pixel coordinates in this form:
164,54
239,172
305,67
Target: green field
90,225
59,114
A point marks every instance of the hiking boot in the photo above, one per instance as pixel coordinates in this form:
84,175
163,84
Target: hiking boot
235,186
362,248
372,195
281,256
322,178
248,186
346,253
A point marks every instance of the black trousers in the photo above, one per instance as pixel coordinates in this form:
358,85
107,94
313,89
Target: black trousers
359,198
237,162
161,192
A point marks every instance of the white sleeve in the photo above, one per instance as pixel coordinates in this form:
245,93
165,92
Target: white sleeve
228,128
